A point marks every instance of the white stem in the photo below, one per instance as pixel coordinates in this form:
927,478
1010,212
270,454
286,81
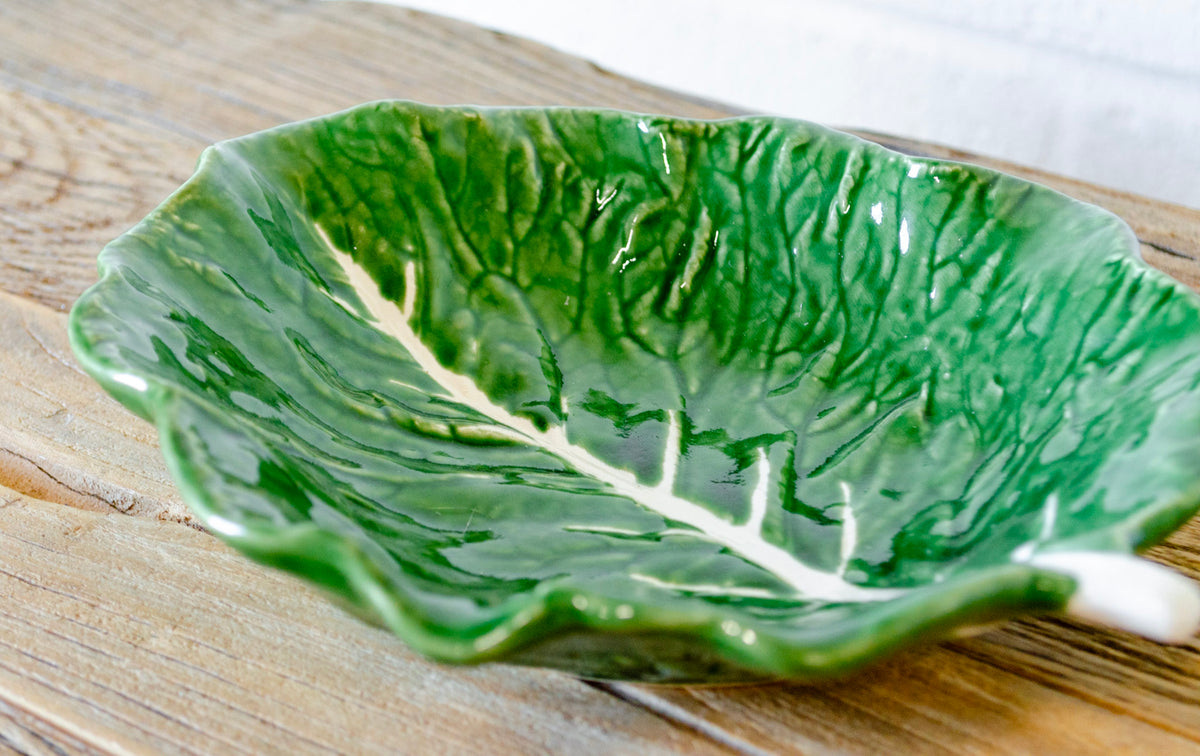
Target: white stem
742,540
671,452
758,498
849,530
1129,593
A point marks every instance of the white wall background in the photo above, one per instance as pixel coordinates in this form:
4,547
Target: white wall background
1103,90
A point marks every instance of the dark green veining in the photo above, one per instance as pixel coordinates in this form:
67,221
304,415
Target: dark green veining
948,346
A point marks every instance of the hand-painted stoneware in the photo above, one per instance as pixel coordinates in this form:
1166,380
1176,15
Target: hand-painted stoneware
658,399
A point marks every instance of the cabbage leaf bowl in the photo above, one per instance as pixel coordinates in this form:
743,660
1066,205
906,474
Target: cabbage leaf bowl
658,399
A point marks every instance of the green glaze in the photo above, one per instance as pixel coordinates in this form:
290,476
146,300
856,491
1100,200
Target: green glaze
649,398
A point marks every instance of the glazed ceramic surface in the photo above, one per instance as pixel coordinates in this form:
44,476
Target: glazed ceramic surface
658,399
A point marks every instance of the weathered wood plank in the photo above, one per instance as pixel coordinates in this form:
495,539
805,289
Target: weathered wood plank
61,439
27,735
126,635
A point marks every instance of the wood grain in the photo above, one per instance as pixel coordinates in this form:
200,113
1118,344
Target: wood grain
61,439
125,635
28,735
186,647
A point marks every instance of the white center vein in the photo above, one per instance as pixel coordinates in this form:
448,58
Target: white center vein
744,540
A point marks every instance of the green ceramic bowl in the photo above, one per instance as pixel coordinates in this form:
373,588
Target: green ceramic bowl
658,399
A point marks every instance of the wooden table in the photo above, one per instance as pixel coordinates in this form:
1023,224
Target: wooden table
135,634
